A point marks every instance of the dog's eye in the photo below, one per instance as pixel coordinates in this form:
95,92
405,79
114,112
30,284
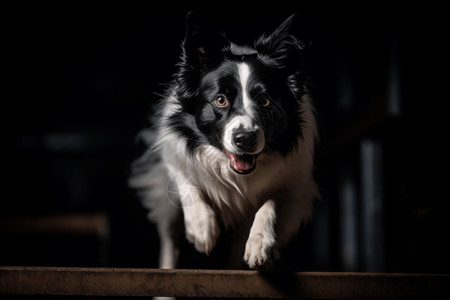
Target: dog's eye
221,101
264,101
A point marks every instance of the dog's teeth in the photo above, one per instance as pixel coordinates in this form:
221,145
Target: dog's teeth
241,164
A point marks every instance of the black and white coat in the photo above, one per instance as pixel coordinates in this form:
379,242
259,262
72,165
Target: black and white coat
232,147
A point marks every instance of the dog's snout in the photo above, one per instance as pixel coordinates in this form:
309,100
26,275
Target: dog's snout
243,135
244,140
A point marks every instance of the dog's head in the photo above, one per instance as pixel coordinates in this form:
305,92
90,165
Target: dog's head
241,100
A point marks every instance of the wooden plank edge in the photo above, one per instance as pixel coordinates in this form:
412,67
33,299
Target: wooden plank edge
220,283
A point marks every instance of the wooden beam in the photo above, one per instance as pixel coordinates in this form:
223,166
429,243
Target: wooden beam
220,283
93,224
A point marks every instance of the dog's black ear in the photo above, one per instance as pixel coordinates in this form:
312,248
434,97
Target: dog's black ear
203,47
204,43
280,49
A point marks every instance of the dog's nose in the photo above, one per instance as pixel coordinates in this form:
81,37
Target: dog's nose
244,140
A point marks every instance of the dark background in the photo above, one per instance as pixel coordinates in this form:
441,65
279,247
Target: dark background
79,81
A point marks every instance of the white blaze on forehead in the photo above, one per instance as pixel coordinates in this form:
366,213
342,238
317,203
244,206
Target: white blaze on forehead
244,74
245,121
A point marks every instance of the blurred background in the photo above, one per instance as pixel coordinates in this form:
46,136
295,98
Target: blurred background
79,82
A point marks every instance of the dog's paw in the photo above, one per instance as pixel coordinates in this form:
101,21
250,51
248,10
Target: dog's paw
260,251
202,228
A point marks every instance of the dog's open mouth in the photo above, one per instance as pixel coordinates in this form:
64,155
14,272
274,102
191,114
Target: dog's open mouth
242,164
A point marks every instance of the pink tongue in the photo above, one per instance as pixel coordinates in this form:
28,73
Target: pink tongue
239,164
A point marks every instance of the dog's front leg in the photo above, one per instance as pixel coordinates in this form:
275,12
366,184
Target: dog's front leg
261,248
200,220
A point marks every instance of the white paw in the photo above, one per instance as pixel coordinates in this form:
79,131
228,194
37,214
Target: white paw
260,251
202,228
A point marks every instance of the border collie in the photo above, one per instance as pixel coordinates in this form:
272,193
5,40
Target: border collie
232,147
